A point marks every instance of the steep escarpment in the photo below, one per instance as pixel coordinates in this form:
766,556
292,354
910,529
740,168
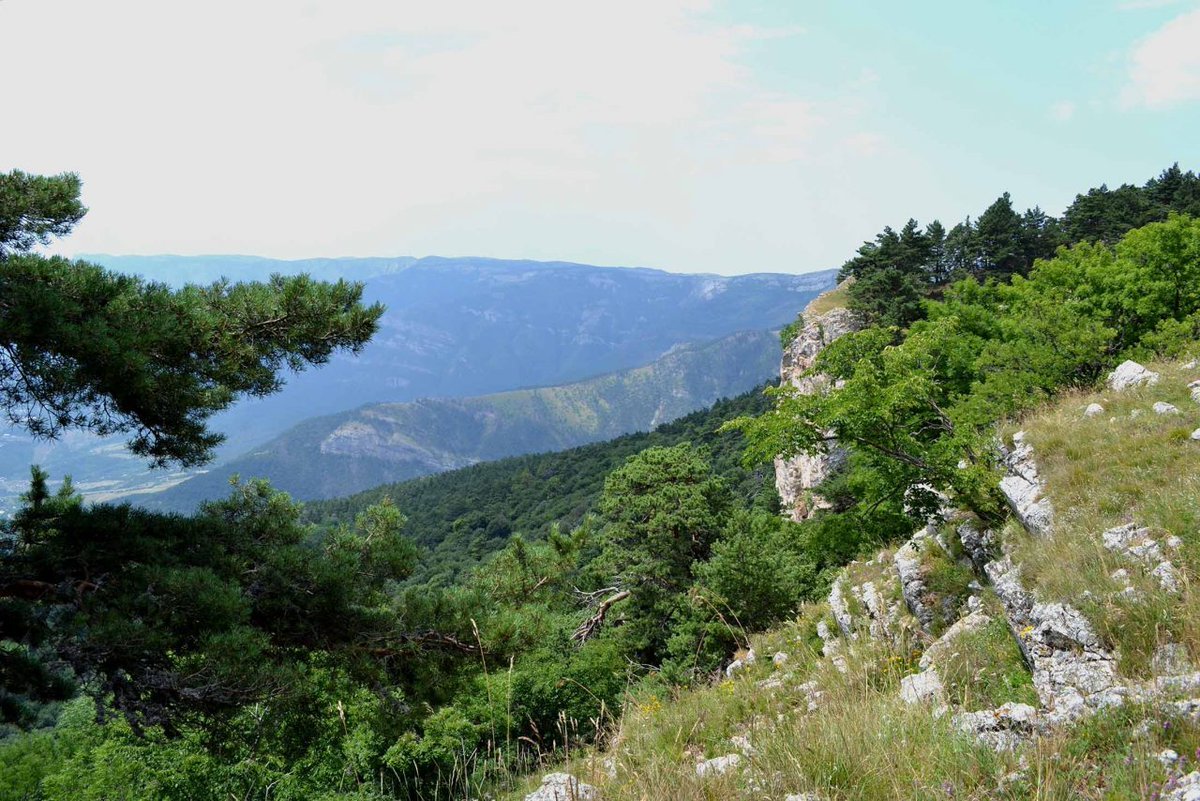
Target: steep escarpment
797,477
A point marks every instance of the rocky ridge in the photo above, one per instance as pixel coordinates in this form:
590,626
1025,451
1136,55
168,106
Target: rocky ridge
796,477
891,603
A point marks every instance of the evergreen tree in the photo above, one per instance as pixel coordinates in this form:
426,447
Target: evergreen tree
1000,237
81,347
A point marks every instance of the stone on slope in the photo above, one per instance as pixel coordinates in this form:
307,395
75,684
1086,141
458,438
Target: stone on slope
718,766
1003,728
1135,543
922,687
1022,487
1093,409
942,646
1131,374
1196,434
1185,788
912,579
1165,408
563,787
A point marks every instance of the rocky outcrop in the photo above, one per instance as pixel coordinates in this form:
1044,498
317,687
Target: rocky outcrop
563,787
1131,374
718,766
1073,672
912,579
796,477
1184,788
1023,487
1003,728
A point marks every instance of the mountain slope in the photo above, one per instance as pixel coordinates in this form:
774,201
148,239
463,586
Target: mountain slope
464,515
375,444
1051,657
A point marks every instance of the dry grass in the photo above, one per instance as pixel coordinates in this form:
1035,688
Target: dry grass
863,743
1127,465
836,298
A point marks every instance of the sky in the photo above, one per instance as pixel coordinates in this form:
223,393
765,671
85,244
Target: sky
692,136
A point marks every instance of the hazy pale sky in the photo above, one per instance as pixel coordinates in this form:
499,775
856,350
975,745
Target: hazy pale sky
688,135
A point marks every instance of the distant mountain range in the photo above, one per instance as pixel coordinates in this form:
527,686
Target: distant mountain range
380,443
454,327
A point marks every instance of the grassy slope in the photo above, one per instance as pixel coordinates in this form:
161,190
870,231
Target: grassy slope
1112,469
862,742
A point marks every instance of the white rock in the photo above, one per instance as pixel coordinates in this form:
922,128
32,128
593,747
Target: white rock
1093,409
742,743
1165,408
733,667
1131,374
1172,541
563,787
1003,728
1196,434
1190,365
974,621
717,766
921,687
802,797
1186,788
1168,757
780,658
1022,487
751,657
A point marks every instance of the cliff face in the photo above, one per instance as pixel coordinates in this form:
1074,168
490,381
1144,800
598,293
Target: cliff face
798,476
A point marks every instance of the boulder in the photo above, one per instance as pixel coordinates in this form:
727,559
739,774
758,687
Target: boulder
922,687
1003,728
718,766
563,787
1165,408
1093,409
1131,374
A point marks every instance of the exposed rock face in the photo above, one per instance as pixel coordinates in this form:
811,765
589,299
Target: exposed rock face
796,477
1003,728
1131,374
943,646
563,787
921,687
1023,487
912,580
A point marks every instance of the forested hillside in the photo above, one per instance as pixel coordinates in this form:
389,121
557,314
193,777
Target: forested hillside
465,515
383,443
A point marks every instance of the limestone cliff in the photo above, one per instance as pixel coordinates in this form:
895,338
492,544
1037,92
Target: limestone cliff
796,477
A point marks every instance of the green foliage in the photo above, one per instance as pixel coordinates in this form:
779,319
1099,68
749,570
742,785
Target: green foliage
898,270
81,347
788,334
465,516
